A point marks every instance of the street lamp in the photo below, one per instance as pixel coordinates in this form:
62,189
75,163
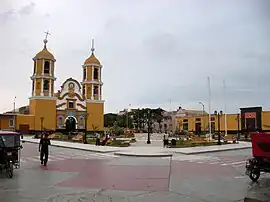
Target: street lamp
149,116
238,126
85,127
201,103
218,116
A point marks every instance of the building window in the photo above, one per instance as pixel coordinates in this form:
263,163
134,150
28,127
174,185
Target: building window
212,118
83,90
95,73
95,90
60,120
33,86
11,123
46,67
84,73
70,104
46,85
198,119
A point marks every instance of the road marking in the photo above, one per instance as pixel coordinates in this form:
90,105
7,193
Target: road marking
224,164
217,162
240,162
240,177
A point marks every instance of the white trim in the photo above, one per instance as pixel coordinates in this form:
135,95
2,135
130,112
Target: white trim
42,98
43,76
95,101
50,88
99,75
46,58
92,79
42,72
76,121
87,65
35,67
98,92
35,85
50,67
92,93
24,115
11,125
92,82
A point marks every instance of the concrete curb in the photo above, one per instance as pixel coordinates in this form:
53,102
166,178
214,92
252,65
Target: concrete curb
82,149
211,151
142,155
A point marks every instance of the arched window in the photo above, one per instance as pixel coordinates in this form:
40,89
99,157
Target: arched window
46,67
46,85
84,73
60,120
83,90
95,73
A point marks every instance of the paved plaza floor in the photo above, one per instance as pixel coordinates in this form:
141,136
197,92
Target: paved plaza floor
76,175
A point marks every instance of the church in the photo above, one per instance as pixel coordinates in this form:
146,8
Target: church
75,106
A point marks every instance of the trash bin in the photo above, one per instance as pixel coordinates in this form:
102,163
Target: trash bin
173,142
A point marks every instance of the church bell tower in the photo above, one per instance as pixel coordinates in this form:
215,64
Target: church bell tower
42,101
92,91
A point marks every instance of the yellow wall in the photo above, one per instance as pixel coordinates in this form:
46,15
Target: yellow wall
25,120
232,123
266,120
46,109
4,124
96,116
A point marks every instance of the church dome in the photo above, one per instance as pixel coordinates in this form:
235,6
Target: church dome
44,53
92,60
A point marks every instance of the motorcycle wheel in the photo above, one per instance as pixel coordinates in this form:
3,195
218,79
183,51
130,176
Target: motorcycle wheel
255,174
10,170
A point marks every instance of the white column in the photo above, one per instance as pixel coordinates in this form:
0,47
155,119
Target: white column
50,88
92,94
99,92
92,73
50,68
41,93
99,74
85,91
35,84
42,66
36,61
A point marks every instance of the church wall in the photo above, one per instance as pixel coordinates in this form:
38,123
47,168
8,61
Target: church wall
89,73
46,109
38,87
25,120
39,67
95,119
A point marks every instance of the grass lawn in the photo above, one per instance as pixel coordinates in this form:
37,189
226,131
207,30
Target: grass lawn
183,144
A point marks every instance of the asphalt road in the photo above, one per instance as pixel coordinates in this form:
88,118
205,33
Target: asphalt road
73,175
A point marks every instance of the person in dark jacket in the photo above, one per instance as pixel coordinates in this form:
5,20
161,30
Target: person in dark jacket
44,149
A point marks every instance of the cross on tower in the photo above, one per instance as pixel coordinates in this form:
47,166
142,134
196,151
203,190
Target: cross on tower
46,36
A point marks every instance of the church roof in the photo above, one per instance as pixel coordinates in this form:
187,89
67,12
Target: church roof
92,60
44,54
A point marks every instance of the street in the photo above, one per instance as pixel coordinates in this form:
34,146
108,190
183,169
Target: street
74,175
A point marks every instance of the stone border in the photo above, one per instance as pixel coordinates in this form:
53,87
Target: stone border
132,154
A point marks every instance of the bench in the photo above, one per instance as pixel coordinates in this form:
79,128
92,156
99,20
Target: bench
78,138
229,138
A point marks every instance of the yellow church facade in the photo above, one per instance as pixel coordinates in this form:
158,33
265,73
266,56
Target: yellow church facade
76,106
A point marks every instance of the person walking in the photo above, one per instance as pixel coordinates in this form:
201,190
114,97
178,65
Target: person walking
97,139
44,149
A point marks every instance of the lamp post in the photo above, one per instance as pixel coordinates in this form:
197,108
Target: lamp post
238,127
201,103
41,123
85,127
149,115
14,116
218,116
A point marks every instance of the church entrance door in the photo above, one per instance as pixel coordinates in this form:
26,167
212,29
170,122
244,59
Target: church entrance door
70,124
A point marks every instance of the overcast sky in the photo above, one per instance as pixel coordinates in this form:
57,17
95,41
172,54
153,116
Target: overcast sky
153,51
